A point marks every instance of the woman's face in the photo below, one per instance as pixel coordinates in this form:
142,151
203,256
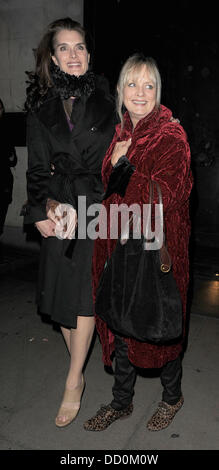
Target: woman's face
70,52
139,94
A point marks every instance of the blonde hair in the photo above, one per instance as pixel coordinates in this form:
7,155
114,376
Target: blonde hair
133,64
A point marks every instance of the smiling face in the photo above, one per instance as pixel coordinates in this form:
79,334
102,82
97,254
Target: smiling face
139,94
70,52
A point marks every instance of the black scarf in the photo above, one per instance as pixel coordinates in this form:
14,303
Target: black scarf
70,85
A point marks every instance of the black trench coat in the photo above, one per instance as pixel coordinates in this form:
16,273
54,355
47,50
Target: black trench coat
64,286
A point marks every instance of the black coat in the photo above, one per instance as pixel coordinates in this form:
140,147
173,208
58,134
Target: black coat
64,288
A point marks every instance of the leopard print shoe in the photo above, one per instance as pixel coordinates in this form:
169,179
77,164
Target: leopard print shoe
105,416
164,415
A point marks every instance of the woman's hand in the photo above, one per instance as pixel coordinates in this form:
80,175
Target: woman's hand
64,217
51,211
175,120
46,228
120,149
66,223
62,221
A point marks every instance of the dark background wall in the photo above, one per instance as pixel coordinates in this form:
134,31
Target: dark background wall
183,38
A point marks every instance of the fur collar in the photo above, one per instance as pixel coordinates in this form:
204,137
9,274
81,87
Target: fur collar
68,85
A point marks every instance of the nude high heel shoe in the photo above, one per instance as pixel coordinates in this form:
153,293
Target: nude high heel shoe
70,406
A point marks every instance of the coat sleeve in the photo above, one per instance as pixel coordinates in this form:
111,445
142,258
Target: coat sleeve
38,172
119,177
171,169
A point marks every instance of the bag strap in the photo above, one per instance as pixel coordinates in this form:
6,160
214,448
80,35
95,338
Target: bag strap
165,259
158,217
153,183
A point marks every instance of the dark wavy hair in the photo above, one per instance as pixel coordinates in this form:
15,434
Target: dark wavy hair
39,81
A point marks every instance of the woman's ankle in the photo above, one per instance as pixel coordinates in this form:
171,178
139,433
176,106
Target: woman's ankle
74,382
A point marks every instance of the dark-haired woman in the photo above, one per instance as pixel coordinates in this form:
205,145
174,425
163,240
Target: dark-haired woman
70,124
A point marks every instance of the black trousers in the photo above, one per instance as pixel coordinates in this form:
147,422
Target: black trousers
125,376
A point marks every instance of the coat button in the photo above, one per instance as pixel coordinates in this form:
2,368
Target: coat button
94,129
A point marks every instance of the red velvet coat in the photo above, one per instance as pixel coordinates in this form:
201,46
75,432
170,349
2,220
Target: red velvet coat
160,151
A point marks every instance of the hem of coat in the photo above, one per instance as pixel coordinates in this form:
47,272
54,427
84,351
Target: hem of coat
66,322
151,363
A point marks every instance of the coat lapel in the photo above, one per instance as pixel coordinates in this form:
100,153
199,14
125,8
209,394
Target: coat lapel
87,114
52,114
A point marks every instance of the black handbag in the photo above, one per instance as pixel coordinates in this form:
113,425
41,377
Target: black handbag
137,295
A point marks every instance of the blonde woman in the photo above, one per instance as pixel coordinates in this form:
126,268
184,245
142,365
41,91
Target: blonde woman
146,145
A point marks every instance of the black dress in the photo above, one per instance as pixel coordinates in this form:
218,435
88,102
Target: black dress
65,283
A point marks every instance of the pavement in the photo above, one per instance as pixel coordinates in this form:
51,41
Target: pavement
34,364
